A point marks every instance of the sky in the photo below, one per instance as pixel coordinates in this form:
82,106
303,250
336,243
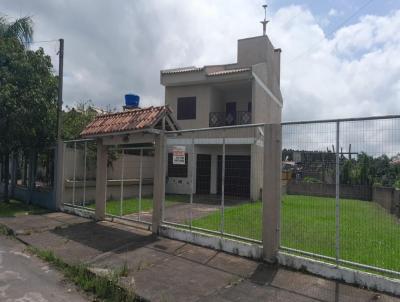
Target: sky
340,58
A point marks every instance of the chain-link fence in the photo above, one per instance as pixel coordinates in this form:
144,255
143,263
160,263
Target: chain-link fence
214,180
340,184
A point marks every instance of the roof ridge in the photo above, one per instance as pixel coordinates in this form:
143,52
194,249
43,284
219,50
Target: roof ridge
130,111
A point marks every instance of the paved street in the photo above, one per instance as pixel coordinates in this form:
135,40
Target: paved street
159,269
25,278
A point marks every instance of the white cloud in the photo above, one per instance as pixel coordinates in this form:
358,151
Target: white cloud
335,13
355,73
117,47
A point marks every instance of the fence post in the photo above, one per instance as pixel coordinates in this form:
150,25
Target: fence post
101,180
159,182
271,193
59,175
337,195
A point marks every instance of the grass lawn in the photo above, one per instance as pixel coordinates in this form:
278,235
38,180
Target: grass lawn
368,234
17,208
130,206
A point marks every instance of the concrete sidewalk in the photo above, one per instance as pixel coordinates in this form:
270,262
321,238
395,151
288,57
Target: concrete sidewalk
160,269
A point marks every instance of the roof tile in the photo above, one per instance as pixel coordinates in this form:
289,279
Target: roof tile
228,71
128,120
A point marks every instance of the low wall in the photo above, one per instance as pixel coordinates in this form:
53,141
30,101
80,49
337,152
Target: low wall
42,198
388,198
131,190
329,190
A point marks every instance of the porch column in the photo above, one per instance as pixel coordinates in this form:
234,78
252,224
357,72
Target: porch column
159,181
271,194
101,180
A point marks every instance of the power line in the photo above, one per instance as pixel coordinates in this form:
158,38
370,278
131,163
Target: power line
43,41
337,27
33,42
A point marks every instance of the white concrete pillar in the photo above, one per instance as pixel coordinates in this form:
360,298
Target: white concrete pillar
101,180
271,196
159,181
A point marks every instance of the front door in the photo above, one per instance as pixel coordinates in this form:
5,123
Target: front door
230,115
203,174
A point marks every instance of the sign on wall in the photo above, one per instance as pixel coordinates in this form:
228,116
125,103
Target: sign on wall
178,155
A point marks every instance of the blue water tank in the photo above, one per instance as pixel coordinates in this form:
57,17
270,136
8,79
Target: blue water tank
132,100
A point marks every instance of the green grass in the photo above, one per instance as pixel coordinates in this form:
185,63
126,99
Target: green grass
368,233
130,206
17,208
104,287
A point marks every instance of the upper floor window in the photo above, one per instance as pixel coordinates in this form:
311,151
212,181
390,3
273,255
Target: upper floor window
186,108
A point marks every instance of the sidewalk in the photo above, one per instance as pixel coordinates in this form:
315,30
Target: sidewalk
161,269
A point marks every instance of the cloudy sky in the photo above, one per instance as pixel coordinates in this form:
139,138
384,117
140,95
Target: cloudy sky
340,58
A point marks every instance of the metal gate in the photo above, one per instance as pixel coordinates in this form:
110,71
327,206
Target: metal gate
129,189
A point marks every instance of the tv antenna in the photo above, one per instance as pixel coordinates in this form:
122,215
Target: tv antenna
265,22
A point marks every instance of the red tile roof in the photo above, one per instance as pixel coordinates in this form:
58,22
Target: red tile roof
134,119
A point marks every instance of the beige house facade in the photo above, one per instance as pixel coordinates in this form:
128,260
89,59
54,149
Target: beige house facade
245,92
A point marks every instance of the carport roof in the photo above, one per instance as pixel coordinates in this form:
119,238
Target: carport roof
129,120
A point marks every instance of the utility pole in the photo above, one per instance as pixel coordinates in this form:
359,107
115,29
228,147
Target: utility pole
60,89
59,158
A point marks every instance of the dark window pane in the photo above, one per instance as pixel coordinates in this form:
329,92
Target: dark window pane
177,170
186,108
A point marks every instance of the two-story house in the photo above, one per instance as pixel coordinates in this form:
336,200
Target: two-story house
246,92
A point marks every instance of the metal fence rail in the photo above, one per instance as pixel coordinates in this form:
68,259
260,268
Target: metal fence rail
129,192
129,179
341,201
79,173
340,186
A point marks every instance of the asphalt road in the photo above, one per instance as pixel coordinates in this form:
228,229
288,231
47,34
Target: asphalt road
25,278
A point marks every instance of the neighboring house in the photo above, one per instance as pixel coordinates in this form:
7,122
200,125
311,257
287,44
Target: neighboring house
246,92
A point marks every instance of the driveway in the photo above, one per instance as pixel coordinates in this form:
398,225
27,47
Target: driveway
25,278
179,212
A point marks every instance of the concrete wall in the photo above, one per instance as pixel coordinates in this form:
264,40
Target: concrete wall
203,94
241,95
208,99
131,190
212,93
70,157
42,198
388,198
265,109
131,166
328,190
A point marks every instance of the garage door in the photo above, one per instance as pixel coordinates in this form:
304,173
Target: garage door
237,175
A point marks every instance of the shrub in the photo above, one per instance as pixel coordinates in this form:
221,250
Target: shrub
313,180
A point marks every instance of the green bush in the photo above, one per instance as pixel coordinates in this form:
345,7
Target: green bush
312,180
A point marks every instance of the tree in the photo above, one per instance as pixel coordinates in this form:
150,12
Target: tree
75,119
28,91
21,29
